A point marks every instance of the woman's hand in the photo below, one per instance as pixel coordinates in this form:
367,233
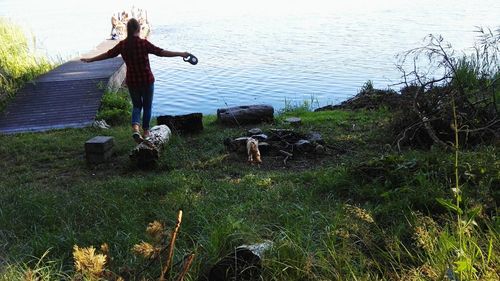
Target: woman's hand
185,54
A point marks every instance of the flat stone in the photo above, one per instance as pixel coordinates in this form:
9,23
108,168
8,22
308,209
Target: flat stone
99,144
254,131
293,120
315,137
319,149
304,146
260,137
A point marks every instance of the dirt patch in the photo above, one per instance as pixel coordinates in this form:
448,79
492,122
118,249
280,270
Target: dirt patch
285,149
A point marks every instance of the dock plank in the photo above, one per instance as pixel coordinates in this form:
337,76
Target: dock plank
69,96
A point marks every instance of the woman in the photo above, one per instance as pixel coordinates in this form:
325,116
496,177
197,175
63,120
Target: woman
139,78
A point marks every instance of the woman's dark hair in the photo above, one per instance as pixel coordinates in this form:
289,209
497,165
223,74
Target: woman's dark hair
132,27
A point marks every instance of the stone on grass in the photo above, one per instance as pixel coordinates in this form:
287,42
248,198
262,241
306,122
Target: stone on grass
319,149
254,131
304,146
294,121
315,137
99,149
260,137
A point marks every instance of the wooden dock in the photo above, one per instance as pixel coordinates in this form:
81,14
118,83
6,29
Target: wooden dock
69,96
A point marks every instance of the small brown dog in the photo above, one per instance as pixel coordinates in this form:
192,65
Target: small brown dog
253,151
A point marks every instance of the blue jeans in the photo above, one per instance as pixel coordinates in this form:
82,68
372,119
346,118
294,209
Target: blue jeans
142,99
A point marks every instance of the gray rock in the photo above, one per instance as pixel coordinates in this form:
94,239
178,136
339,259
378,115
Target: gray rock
293,121
254,131
260,137
304,146
319,149
315,137
260,248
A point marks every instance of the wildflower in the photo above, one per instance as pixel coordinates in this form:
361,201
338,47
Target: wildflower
342,233
359,213
424,239
428,272
88,262
155,230
309,265
30,275
145,249
425,232
105,248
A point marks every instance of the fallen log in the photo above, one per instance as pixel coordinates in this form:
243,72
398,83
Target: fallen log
182,124
148,152
247,114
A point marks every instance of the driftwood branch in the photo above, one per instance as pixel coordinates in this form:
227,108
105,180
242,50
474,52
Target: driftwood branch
171,246
186,267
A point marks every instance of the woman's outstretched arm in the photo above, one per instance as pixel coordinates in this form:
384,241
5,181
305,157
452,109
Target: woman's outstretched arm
113,52
102,56
165,53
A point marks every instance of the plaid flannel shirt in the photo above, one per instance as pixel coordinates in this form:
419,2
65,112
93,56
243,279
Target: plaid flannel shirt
138,68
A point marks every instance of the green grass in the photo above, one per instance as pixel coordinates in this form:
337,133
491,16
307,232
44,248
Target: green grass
362,212
115,107
18,62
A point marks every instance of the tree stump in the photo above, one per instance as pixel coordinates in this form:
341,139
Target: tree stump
148,152
183,124
247,114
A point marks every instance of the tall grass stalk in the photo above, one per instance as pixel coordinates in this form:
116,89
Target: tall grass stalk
18,61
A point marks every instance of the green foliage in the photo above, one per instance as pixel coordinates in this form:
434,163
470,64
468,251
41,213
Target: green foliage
467,84
367,87
300,107
364,213
18,62
37,269
115,107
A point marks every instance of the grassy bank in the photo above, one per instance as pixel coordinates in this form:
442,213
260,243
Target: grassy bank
18,63
361,212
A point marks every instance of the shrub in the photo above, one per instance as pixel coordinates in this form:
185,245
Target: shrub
468,83
115,108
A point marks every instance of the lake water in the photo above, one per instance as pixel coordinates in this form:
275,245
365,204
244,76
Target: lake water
273,52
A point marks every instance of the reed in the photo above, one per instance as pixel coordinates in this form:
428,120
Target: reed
19,63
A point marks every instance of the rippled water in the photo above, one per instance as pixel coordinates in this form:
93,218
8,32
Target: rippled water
266,52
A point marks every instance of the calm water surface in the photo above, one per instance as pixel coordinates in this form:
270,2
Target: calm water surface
261,51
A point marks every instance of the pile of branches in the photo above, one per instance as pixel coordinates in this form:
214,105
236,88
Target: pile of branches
369,98
442,87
